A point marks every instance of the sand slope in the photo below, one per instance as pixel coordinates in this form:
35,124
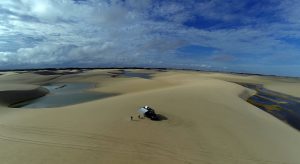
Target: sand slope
207,122
14,93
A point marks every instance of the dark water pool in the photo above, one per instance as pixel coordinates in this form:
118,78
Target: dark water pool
63,94
282,106
138,74
128,73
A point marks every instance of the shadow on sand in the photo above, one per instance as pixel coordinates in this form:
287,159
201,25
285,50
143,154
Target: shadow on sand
161,117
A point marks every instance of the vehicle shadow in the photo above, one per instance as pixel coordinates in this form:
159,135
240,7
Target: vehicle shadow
161,117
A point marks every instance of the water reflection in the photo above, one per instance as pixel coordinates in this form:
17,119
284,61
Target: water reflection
282,106
63,94
127,73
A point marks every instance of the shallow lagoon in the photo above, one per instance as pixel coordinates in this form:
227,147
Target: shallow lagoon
63,94
282,106
130,74
137,74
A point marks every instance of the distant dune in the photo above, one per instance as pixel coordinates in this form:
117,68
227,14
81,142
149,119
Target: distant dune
207,120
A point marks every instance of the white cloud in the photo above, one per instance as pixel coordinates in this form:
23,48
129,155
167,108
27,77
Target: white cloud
54,32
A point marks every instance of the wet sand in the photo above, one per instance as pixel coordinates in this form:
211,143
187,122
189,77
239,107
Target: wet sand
208,121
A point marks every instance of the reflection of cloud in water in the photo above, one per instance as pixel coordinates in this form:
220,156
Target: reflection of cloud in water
63,94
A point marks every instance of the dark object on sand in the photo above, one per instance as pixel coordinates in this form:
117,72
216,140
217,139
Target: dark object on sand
148,112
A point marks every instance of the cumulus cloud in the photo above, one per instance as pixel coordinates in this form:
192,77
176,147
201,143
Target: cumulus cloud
36,33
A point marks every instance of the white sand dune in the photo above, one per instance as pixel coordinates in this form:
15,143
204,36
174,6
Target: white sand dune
208,121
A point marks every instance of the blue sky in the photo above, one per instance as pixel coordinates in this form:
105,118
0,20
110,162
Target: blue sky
253,36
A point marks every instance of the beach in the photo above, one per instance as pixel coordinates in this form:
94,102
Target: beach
207,119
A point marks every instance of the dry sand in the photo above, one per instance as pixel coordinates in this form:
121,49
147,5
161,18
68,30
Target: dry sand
208,121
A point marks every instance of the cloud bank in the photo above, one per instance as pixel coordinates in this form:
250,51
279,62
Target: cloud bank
247,36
